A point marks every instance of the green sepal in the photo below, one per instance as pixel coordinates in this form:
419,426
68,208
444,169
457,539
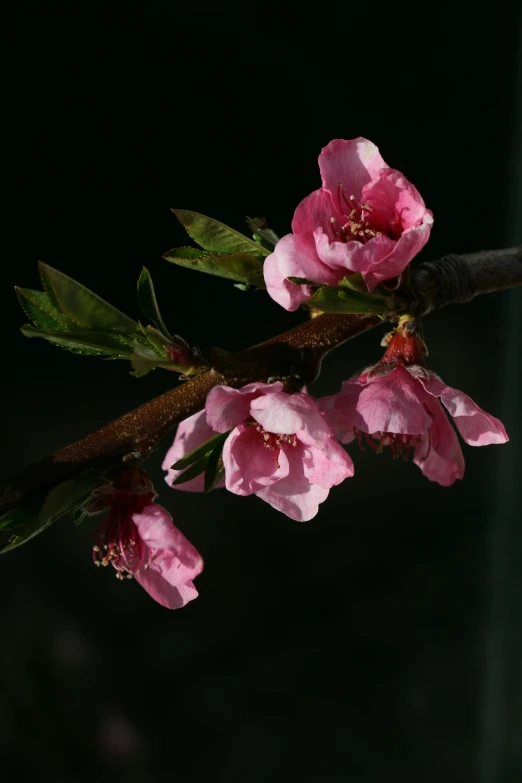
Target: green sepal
243,268
194,470
214,236
39,308
148,302
345,300
81,305
85,342
204,450
144,359
302,281
215,470
28,519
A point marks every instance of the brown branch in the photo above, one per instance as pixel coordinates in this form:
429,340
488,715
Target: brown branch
298,352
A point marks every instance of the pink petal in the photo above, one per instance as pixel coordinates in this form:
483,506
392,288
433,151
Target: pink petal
392,403
340,409
287,414
477,427
175,557
227,407
328,465
396,201
284,262
409,244
164,593
249,465
190,433
294,495
352,162
315,213
438,454
352,256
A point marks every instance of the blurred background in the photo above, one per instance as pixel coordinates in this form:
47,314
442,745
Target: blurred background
382,640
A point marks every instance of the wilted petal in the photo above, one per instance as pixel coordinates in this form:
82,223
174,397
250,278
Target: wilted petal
352,162
294,495
164,593
341,409
477,427
249,465
438,454
227,407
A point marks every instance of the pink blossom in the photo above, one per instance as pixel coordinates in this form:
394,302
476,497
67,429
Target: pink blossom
365,218
280,447
139,539
397,405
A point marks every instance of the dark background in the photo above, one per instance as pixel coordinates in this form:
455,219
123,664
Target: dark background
380,641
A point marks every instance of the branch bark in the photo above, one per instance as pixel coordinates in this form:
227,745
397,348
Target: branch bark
296,353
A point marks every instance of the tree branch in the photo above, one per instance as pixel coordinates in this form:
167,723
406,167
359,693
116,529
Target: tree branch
296,353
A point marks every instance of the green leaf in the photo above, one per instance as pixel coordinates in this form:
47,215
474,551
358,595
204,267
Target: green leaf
212,235
85,342
302,281
194,470
202,451
148,302
82,306
32,517
39,308
262,234
336,300
144,359
240,267
215,470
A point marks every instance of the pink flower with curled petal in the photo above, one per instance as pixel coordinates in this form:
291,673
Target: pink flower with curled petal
280,447
138,539
396,404
365,218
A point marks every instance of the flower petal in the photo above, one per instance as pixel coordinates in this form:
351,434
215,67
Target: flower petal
340,409
287,414
408,245
164,593
438,454
249,465
352,256
227,407
392,403
328,465
352,162
284,262
477,427
190,434
397,203
294,495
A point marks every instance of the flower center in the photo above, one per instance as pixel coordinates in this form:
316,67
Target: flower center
117,540
275,441
400,445
361,221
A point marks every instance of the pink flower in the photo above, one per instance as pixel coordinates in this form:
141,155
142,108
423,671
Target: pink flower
190,433
396,404
365,218
139,539
280,447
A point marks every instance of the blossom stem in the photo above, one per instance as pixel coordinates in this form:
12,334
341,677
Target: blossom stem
296,353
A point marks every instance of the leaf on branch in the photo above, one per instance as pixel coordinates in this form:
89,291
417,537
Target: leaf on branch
81,305
339,300
148,302
262,234
215,236
26,520
39,308
243,268
85,342
216,442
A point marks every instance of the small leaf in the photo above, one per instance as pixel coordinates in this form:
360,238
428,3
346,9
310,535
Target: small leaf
82,306
27,520
39,308
202,451
144,359
262,234
148,302
84,342
212,235
335,300
301,281
194,470
240,267
215,470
